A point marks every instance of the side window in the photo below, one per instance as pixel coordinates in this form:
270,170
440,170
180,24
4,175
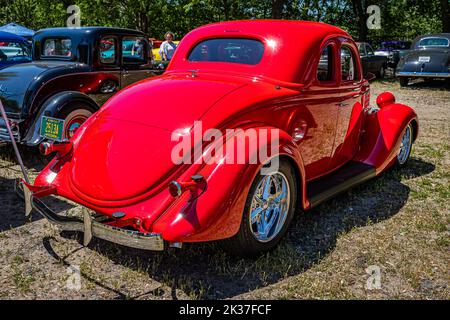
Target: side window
369,50
362,50
325,68
348,64
133,50
108,50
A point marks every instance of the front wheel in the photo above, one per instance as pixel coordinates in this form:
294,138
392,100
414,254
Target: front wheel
269,210
74,115
405,146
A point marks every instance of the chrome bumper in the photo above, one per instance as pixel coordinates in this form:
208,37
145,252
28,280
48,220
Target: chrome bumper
93,228
423,74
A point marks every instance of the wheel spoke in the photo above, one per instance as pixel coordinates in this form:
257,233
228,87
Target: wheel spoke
267,187
255,214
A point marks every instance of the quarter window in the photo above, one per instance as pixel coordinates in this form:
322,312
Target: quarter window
348,64
325,69
108,50
61,47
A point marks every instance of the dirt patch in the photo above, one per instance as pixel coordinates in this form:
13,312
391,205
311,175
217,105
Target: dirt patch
398,223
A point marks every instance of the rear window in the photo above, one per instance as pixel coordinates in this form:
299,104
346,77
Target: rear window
61,47
243,51
434,42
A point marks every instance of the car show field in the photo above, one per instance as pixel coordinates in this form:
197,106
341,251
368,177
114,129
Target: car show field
398,222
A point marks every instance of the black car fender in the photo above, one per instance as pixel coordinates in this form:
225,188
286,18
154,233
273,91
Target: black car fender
51,108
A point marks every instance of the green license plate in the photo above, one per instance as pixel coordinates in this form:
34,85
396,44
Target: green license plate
52,128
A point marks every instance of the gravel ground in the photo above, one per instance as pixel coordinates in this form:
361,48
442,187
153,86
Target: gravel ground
398,224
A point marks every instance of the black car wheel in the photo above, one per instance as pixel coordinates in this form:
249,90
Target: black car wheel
404,82
269,210
74,115
382,72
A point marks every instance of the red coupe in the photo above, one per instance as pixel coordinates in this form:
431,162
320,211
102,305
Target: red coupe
296,86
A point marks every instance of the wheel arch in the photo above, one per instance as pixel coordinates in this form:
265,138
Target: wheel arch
51,108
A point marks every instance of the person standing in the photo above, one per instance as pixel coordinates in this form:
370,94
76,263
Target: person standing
168,47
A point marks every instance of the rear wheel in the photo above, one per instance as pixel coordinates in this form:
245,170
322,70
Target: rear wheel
404,82
269,210
406,145
74,115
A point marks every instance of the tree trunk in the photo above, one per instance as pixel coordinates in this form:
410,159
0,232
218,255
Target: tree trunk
445,16
277,8
360,15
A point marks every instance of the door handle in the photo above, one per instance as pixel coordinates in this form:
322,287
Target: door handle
343,104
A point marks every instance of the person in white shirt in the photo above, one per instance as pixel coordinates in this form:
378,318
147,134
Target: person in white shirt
168,47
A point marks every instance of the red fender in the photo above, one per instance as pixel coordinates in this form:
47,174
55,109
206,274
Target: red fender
217,215
383,131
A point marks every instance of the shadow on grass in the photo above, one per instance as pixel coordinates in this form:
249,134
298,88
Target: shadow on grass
204,271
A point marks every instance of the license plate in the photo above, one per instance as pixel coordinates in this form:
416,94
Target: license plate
52,128
424,59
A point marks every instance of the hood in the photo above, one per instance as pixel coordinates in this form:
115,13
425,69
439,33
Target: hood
126,150
170,102
16,79
429,60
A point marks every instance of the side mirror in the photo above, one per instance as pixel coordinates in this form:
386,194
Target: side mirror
370,76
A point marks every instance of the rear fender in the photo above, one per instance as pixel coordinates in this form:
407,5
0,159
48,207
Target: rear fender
383,131
218,212
51,107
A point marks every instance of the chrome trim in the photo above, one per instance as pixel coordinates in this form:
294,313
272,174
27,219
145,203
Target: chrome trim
424,74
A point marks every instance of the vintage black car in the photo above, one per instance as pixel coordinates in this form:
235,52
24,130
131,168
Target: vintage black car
429,57
372,63
393,50
73,72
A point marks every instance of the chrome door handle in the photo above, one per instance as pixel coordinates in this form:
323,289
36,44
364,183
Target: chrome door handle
343,104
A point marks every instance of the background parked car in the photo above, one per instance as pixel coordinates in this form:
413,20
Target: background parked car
371,62
13,49
393,50
429,57
73,72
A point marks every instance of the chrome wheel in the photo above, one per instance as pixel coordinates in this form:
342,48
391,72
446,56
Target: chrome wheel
269,207
405,146
74,120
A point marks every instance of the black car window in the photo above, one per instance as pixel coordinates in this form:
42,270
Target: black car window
348,64
369,50
57,47
133,50
434,42
108,50
325,68
362,50
234,50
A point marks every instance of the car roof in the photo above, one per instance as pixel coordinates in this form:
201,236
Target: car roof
10,36
292,42
86,31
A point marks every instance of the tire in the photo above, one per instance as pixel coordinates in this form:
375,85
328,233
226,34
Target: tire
382,72
75,114
406,145
404,82
248,242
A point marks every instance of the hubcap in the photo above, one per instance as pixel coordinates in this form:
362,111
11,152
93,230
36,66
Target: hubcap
269,207
405,146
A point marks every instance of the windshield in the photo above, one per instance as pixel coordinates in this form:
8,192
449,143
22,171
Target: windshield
243,51
14,51
434,42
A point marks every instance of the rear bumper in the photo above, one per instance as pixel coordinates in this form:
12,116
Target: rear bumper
94,228
424,74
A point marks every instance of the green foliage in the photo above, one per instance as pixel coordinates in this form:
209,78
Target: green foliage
401,19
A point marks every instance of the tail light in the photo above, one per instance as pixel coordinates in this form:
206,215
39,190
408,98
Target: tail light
61,149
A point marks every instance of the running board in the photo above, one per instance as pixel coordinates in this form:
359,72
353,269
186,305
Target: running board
346,177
